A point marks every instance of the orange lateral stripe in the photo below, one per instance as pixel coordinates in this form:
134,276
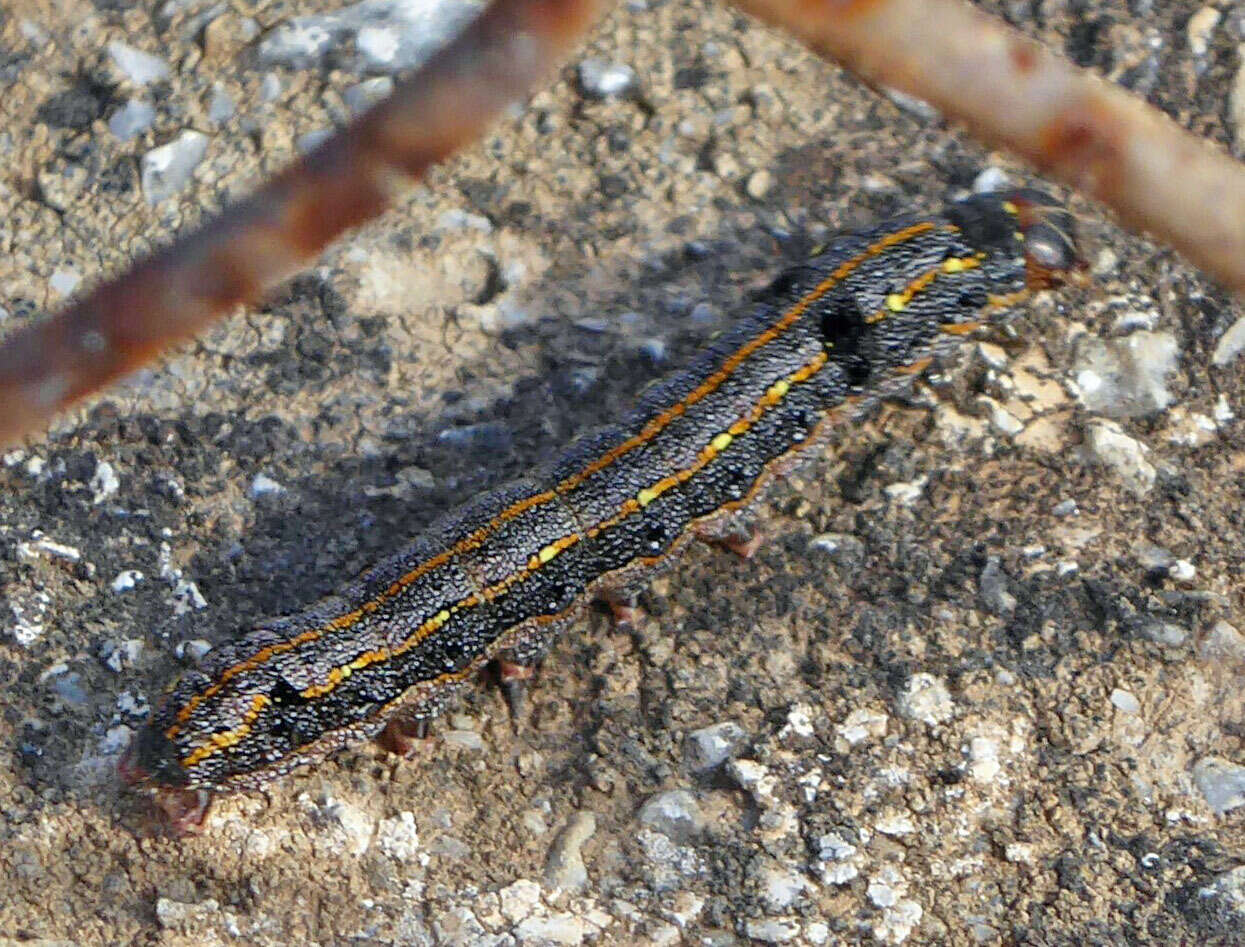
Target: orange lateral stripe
219,741
650,430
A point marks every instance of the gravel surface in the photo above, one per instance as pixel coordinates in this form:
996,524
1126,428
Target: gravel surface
982,685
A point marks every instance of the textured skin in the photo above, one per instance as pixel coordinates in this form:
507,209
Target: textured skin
500,575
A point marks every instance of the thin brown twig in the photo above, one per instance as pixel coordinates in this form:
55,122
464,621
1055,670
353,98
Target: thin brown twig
349,179
1008,90
1012,92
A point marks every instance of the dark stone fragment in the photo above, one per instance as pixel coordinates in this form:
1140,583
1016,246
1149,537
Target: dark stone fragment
613,185
691,77
76,108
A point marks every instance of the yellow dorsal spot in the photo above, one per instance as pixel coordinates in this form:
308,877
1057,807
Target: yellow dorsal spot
1011,208
722,441
958,264
780,388
895,302
646,496
548,553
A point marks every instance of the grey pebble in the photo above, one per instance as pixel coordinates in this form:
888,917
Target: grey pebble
1064,508
487,435
131,120
64,281
675,813
1223,645
270,87
311,140
596,325
993,588
1107,445
927,699
1163,632
464,739
564,866
1231,343
29,609
176,915
221,107
778,885
168,169
703,314
364,95
459,219
119,655
918,108
710,747
1227,894
263,485
192,650
1154,558
844,549
605,80
1125,701
139,67
1222,782
772,931
449,847
1125,378
990,179
654,350
68,687
759,184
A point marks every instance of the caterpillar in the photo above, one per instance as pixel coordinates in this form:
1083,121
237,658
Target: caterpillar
497,578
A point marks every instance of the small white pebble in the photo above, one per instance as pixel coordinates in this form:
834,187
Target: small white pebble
64,281
1182,570
139,67
104,482
906,493
1125,701
991,179
263,485
1201,28
192,650
1222,411
126,580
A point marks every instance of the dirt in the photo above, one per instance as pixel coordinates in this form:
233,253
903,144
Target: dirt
974,687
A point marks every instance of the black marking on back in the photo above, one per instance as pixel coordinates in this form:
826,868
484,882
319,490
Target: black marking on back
842,331
983,222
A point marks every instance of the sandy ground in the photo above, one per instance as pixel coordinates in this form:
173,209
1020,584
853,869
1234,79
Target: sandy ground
975,689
